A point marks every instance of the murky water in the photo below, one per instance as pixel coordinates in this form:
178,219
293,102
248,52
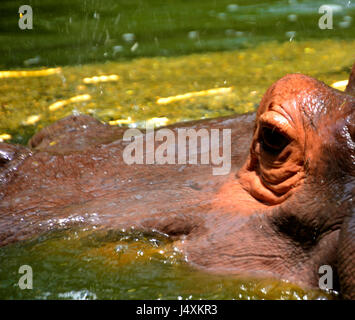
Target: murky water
92,43
115,265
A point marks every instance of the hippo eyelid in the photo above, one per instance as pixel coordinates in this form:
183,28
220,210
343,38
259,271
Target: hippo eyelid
282,111
275,128
276,120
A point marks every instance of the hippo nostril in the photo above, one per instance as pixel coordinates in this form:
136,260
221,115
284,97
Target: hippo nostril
5,157
11,156
352,127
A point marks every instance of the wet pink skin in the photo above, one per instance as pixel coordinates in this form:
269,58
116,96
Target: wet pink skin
73,174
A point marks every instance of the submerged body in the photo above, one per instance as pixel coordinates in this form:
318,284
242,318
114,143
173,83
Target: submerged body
279,212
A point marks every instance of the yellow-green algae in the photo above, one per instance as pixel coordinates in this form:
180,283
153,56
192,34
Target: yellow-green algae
142,81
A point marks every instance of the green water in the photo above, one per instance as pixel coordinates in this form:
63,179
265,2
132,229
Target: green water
85,31
178,47
86,265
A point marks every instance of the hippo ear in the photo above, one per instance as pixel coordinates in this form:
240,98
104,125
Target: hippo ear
350,89
74,133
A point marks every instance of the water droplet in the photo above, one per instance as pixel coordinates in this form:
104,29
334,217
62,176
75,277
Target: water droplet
344,24
290,34
193,34
222,16
121,248
128,37
233,7
134,47
292,17
117,49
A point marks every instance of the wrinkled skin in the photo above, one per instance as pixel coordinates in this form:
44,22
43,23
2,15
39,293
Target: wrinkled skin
284,210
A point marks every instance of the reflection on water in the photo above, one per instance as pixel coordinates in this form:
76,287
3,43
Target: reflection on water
197,59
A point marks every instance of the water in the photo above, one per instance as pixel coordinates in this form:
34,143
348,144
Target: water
87,265
27,104
150,50
80,32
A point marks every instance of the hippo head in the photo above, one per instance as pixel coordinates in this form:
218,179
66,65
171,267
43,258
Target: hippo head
302,165
300,172
304,136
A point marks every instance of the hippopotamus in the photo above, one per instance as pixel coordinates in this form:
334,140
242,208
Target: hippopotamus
284,210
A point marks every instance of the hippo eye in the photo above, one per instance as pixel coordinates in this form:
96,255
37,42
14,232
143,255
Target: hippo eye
272,140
